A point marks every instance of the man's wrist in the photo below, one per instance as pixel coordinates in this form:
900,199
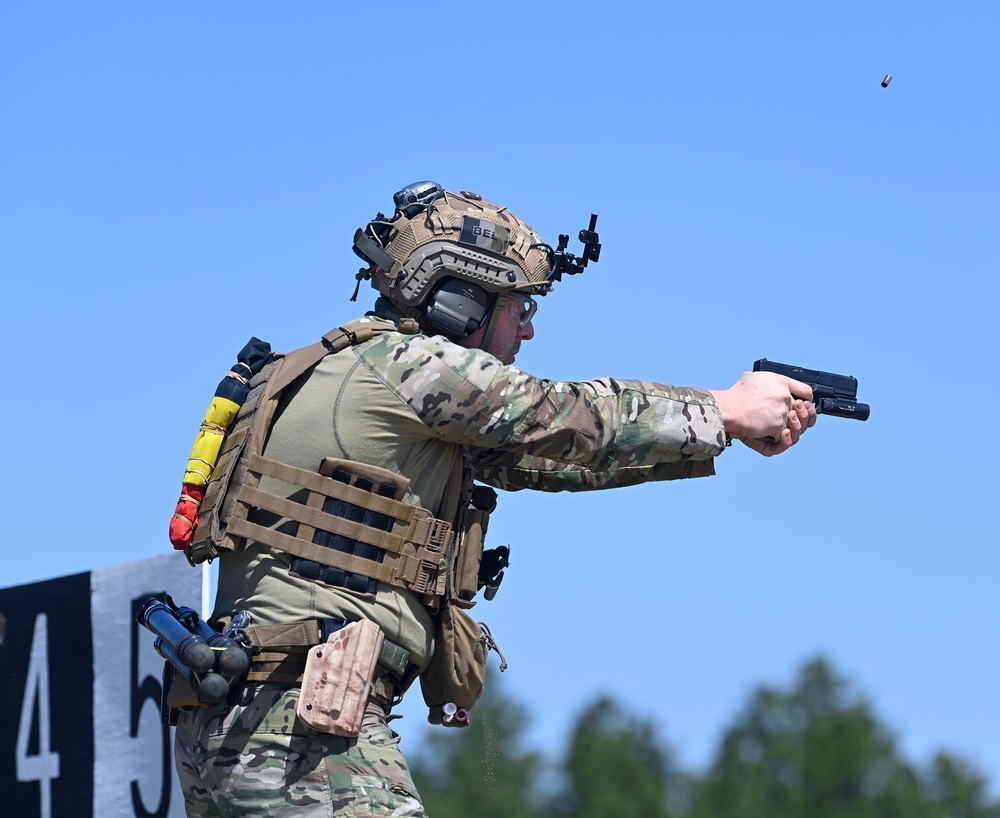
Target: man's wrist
724,403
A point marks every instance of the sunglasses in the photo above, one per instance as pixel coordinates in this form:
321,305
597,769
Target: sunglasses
527,306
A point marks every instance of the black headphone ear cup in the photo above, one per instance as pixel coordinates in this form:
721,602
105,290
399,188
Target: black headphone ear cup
446,324
458,308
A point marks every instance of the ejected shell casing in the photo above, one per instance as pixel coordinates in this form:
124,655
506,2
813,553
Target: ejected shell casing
887,80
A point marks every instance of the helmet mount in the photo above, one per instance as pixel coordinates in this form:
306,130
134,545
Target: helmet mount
563,262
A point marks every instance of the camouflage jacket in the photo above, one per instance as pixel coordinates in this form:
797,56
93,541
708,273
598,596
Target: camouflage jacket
527,432
410,404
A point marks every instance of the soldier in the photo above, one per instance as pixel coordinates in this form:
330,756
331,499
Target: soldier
345,494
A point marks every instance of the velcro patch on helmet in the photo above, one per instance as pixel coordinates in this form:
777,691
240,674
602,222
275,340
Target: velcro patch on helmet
484,234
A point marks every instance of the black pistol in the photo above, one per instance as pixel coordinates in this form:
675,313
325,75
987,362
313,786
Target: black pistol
832,394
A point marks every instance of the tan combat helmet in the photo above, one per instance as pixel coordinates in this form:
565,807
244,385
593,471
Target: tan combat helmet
449,259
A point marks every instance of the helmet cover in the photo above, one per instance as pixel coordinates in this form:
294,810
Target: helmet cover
438,234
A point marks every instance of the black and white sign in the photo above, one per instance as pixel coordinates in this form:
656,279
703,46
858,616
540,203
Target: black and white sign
80,731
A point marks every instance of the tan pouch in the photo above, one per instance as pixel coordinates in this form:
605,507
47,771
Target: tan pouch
457,670
338,678
177,694
465,581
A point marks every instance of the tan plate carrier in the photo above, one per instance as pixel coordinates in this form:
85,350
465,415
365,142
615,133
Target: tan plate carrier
418,548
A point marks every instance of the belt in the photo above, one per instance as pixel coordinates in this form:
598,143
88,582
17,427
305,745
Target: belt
280,656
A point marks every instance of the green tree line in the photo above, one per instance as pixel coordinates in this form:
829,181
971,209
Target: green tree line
814,750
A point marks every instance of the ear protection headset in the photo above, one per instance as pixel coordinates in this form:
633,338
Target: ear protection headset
458,308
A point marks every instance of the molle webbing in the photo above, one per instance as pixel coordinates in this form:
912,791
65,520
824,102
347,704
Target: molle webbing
409,551
280,656
357,514
299,636
287,667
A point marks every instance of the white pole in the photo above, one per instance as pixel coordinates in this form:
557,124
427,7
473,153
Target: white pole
206,591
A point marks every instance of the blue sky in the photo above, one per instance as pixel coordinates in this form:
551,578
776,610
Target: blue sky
175,178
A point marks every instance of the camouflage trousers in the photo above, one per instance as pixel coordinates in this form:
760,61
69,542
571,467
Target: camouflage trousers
262,760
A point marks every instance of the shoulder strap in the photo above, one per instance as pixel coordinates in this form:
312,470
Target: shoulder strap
353,333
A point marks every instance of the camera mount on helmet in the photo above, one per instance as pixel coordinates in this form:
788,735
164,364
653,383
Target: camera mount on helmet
412,199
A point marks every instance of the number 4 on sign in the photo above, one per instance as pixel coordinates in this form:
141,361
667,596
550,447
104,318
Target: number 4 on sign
44,766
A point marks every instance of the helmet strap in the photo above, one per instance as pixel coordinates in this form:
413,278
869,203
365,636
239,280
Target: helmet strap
498,307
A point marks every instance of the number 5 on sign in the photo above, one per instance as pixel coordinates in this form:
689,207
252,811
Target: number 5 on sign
133,753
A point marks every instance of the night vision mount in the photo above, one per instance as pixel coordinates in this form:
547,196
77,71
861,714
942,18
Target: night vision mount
370,241
562,262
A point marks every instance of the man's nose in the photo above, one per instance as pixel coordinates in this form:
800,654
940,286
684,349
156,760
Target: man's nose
527,332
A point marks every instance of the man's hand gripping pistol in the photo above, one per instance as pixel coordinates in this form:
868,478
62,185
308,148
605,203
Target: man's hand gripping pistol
832,394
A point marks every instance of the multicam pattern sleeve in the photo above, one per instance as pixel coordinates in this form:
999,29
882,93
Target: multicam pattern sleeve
549,434
504,470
